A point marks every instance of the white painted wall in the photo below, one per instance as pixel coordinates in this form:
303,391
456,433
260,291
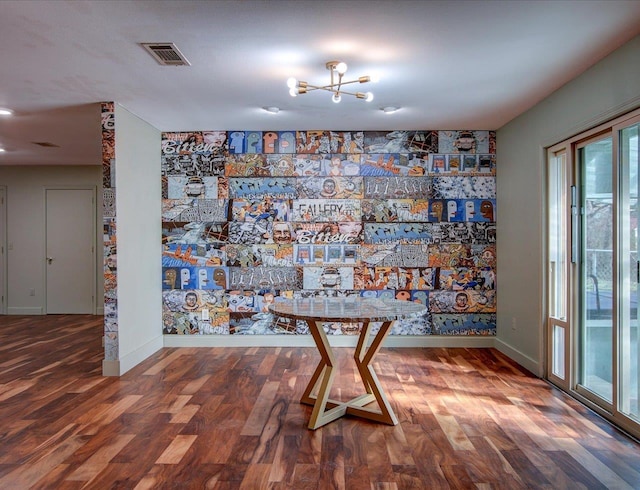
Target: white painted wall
608,89
25,229
139,246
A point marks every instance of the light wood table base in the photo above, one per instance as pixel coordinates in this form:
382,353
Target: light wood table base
326,410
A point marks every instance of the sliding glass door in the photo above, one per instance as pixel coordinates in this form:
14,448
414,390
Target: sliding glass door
629,341
597,274
593,269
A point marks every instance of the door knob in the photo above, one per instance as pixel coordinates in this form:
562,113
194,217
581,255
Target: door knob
49,259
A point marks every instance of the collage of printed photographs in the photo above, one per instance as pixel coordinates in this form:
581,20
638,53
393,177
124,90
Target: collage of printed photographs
109,233
252,217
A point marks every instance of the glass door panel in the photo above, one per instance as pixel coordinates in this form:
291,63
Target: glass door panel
559,206
596,268
558,356
557,237
628,340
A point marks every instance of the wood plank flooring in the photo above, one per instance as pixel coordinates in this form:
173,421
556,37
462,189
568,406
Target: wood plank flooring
230,418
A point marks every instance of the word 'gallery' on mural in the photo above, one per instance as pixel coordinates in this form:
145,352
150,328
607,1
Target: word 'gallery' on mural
252,217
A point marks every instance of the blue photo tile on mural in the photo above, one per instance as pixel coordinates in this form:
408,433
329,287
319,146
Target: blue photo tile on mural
236,142
421,297
178,278
211,278
481,210
253,142
486,164
286,142
380,164
455,210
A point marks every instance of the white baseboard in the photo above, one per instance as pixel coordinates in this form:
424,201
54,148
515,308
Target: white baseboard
36,310
100,310
525,361
438,341
134,358
118,368
110,368
124,364
307,341
240,341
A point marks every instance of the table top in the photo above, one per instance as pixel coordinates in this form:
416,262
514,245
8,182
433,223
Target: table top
346,309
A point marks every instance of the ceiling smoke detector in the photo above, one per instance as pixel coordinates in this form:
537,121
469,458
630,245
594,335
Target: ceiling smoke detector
166,54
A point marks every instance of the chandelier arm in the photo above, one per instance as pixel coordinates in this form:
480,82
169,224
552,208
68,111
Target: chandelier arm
311,88
351,81
345,92
339,83
331,87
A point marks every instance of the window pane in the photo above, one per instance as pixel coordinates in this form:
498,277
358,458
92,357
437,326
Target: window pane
558,351
597,268
628,336
557,237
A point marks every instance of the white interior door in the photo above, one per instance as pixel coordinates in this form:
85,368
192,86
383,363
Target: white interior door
70,247
3,252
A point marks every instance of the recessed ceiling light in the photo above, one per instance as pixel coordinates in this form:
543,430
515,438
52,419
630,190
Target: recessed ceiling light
272,109
389,109
5,112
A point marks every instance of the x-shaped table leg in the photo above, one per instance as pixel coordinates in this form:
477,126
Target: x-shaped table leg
317,391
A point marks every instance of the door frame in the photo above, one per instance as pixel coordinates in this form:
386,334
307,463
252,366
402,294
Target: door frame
570,385
93,190
568,322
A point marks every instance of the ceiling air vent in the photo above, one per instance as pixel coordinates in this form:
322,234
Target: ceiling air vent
45,144
166,54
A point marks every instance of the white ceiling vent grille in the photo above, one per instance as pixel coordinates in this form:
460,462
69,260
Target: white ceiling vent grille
166,54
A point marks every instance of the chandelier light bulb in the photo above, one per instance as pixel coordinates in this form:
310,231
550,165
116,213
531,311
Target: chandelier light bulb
293,92
5,112
369,97
292,82
341,68
336,98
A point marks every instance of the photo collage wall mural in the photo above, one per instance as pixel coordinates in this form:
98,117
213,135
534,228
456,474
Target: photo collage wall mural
251,217
111,346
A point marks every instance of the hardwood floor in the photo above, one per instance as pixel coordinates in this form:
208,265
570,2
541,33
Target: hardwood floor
230,418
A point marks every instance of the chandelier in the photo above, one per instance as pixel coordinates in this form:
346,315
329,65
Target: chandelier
337,70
